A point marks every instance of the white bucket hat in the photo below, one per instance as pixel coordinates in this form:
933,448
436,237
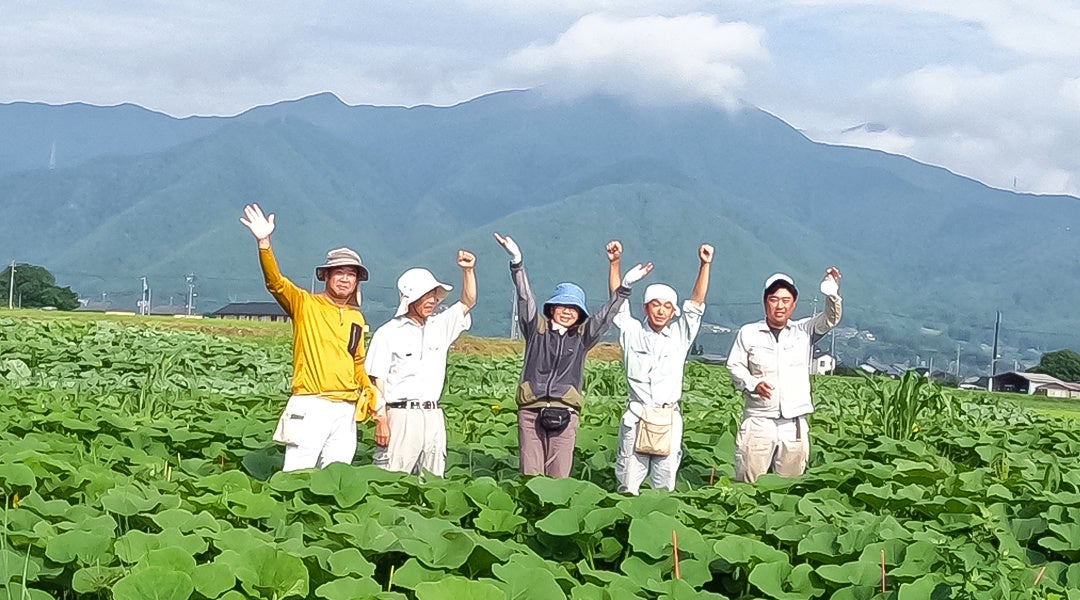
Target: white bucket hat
663,293
413,284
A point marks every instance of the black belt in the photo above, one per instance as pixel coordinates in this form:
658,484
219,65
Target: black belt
425,404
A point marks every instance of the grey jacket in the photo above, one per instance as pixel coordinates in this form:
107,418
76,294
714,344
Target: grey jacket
554,362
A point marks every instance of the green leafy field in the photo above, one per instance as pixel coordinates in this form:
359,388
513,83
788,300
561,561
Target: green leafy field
135,463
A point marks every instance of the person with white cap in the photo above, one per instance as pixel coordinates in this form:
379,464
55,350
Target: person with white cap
770,365
549,395
407,360
654,351
330,389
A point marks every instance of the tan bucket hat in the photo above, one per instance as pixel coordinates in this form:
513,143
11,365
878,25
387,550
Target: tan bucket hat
341,257
344,257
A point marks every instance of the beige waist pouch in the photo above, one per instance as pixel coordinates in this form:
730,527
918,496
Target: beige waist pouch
654,431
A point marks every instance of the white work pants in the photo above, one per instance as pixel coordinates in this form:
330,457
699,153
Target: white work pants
631,467
417,441
316,432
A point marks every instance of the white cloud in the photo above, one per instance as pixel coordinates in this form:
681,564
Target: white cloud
654,60
1006,128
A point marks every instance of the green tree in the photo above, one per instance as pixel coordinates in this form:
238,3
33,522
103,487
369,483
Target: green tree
1063,364
35,287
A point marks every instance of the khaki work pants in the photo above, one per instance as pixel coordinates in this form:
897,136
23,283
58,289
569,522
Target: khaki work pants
781,446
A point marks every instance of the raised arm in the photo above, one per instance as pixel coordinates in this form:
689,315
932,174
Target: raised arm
599,322
467,262
701,284
830,317
526,302
614,256
284,291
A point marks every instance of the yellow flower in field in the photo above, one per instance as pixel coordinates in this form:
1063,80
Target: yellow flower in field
495,408
15,500
915,428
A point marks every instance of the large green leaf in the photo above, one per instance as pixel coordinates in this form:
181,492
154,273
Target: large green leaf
154,583
457,588
213,579
349,588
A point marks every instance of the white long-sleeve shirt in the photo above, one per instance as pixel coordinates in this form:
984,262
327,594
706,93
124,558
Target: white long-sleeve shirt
783,362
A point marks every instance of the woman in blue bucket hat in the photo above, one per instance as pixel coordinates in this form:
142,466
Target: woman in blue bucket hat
549,393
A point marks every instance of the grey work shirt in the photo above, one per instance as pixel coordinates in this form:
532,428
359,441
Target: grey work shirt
783,362
654,360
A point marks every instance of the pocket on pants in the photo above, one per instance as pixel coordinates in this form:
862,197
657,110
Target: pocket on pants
294,423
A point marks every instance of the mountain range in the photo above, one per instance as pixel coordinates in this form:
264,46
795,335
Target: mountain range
103,196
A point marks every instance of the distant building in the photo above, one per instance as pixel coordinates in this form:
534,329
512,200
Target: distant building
251,311
1022,383
1061,389
712,359
875,367
823,364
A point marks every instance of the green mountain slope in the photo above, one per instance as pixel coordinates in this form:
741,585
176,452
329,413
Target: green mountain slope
920,248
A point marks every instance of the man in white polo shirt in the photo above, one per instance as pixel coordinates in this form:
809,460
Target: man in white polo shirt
654,350
407,360
770,365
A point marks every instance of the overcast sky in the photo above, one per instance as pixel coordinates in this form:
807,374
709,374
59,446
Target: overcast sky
986,88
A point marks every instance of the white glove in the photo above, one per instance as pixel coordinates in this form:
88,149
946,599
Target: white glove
511,248
636,274
261,227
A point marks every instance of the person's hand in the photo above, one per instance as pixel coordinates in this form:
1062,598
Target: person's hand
636,274
764,390
382,430
260,226
830,283
511,248
465,260
614,250
705,253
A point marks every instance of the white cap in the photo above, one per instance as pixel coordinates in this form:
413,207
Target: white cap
784,278
413,284
663,293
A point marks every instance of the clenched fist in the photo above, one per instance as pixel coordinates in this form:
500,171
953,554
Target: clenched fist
465,259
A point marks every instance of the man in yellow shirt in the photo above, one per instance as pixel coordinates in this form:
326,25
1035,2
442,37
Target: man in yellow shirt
330,388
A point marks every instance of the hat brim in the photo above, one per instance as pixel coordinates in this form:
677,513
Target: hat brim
361,272
564,300
403,304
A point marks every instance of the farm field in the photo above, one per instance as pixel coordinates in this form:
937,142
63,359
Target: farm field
135,463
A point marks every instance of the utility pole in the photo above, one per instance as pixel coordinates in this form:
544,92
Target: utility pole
144,302
994,355
11,288
514,318
190,279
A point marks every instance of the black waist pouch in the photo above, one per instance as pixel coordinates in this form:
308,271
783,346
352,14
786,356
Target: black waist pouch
554,419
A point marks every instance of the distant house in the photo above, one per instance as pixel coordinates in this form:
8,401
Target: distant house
251,311
974,383
875,367
823,364
712,359
1060,389
1023,383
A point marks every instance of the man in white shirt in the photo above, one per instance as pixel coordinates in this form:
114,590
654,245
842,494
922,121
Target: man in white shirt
654,351
770,365
407,360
